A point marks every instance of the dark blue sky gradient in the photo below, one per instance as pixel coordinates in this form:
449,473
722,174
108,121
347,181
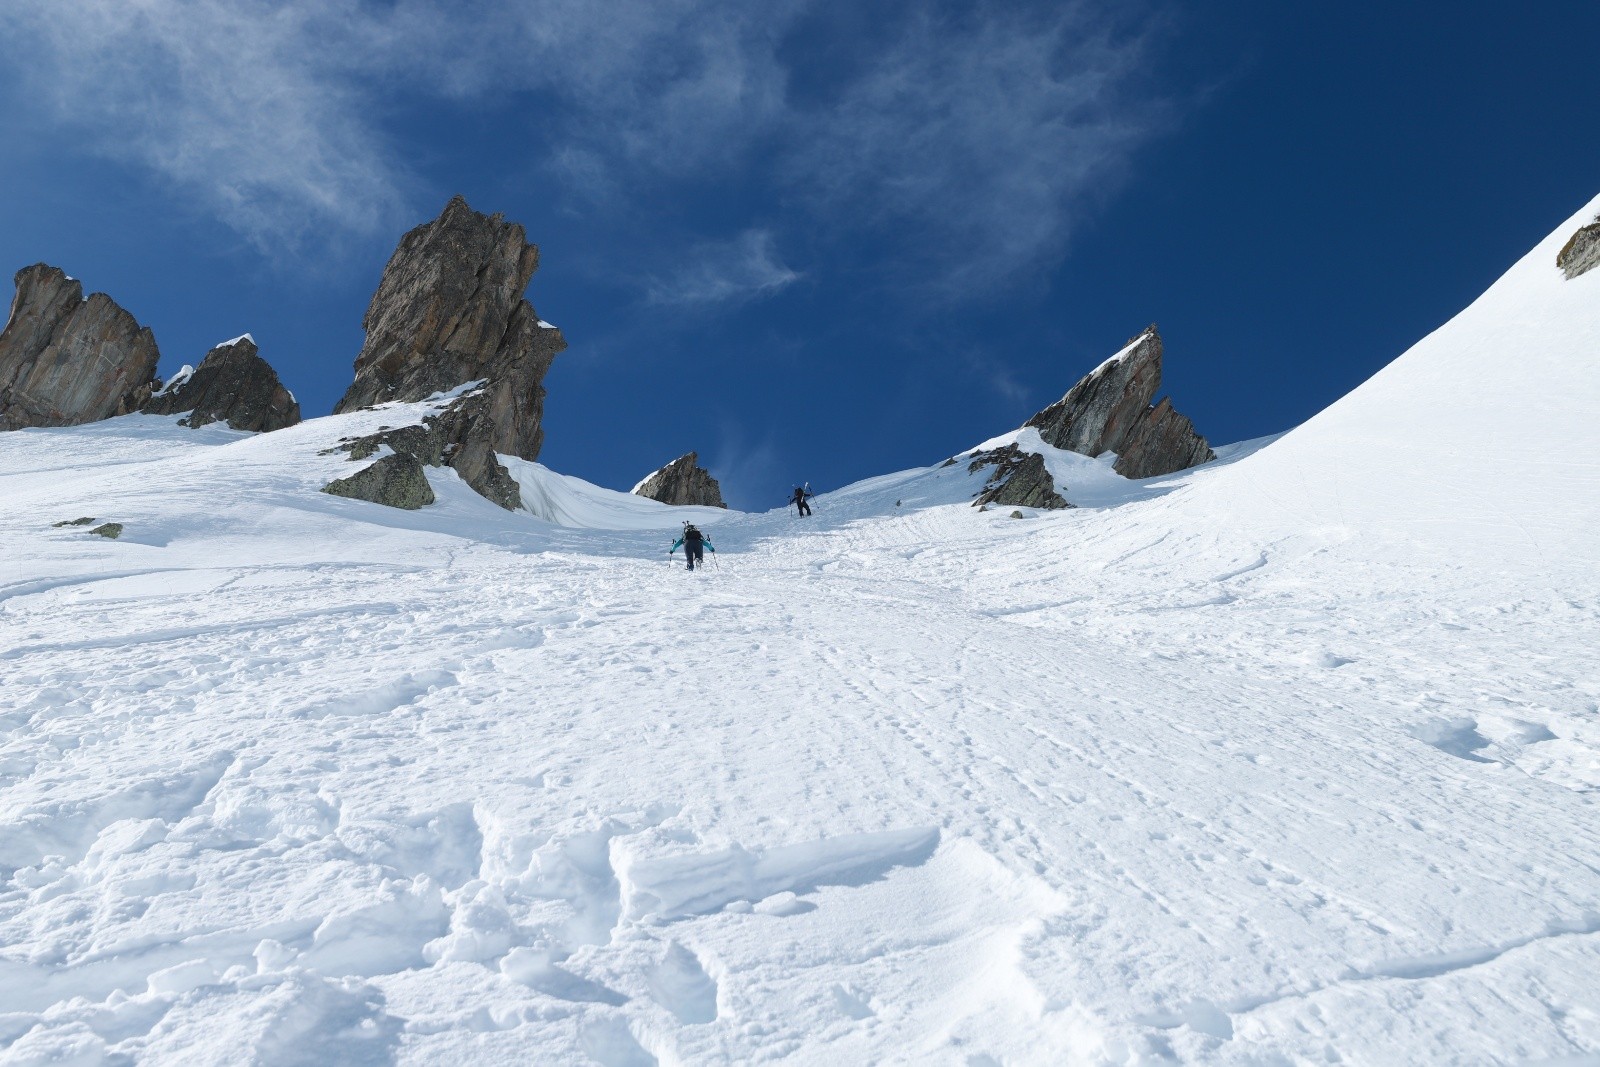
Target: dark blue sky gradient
1313,188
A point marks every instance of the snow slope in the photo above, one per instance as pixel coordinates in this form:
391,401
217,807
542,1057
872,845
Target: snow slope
1293,758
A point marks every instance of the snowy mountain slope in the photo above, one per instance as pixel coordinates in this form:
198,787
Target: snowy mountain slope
1292,758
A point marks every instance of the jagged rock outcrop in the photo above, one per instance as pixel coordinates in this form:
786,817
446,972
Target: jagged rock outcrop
1110,411
396,481
65,360
1581,253
233,384
448,311
1020,479
1107,411
683,481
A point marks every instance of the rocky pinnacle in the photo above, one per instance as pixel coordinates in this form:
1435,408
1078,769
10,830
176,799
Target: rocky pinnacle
683,481
233,384
1110,411
450,310
66,360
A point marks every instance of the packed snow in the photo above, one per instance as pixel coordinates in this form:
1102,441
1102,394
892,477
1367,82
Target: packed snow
1292,758
183,374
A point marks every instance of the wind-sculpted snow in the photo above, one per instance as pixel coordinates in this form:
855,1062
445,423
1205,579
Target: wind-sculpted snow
1233,767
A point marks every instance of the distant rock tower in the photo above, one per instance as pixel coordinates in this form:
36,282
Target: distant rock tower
1107,411
683,481
1110,411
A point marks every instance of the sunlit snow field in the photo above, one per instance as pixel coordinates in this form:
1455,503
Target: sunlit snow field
1293,758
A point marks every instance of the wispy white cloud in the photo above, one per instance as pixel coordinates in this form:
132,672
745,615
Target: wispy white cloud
231,103
969,140
723,271
982,138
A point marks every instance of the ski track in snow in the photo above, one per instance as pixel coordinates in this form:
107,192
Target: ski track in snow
299,779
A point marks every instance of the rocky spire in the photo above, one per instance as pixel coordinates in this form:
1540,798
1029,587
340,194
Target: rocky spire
1110,411
65,360
233,384
448,311
683,481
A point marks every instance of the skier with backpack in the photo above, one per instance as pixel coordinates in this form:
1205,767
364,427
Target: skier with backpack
694,545
802,493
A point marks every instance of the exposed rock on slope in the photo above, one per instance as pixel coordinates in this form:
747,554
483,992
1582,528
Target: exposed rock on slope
1019,479
1582,253
1109,411
396,480
683,481
449,311
233,384
65,360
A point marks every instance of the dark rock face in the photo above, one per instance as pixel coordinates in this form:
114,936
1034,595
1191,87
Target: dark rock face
448,311
683,481
1161,442
1109,411
1582,252
1019,480
396,481
233,384
65,360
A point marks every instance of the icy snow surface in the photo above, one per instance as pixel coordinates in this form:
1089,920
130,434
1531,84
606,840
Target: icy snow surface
1290,759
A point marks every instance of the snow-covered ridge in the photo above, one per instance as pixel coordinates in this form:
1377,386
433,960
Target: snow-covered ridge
1291,757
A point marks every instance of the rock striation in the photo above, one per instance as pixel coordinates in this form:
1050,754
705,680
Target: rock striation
233,384
683,482
1581,253
66,360
1110,411
1019,479
397,481
449,310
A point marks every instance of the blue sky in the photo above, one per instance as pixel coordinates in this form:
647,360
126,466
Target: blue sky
813,240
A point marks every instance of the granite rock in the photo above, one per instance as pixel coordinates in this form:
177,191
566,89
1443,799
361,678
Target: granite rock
1581,253
66,360
396,481
1110,411
1018,479
233,384
449,310
683,481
